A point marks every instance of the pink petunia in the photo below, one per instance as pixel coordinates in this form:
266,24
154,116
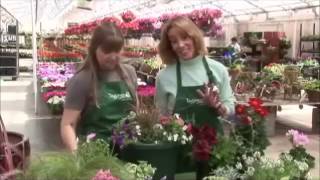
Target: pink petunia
104,175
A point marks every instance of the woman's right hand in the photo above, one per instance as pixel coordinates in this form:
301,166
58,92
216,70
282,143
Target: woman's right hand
68,125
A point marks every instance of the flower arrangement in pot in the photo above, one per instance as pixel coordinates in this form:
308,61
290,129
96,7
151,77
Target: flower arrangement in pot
145,135
93,160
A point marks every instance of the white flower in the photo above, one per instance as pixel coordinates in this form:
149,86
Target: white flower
137,127
169,138
256,154
176,116
303,166
184,128
249,160
281,169
183,142
190,137
165,133
292,132
158,126
184,137
244,157
250,171
175,137
288,157
278,163
239,165
156,142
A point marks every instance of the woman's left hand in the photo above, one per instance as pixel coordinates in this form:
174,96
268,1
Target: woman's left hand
210,96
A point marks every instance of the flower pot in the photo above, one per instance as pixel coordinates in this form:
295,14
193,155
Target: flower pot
202,169
313,96
160,156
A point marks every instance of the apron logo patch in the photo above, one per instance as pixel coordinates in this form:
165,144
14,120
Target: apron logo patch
120,97
194,101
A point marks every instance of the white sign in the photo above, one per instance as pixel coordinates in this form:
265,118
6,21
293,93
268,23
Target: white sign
8,38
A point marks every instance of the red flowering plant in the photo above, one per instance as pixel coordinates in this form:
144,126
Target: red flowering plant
250,125
128,16
204,138
205,18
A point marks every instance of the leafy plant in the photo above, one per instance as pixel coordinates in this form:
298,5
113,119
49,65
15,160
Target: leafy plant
82,165
313,85
291,165
224,153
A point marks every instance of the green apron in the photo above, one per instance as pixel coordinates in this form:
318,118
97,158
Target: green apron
190,106
115,103
192,109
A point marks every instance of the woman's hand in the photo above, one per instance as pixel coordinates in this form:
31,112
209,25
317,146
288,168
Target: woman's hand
210,96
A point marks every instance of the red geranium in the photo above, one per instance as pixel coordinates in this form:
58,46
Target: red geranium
240,109
255,102
246,120
249,114
204,139
201,150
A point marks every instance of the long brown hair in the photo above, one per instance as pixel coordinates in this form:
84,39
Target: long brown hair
166,52
109,37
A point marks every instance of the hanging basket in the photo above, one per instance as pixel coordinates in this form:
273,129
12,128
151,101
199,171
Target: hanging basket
14,153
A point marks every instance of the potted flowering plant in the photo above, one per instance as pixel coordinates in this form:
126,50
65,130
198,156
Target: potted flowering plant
313,90
144,135
291,165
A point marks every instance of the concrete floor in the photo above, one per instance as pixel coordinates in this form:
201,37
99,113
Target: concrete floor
18,111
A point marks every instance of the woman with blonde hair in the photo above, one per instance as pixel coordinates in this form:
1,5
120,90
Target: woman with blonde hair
192,85
102,92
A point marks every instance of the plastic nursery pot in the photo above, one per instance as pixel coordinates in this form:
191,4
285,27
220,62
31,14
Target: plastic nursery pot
161,156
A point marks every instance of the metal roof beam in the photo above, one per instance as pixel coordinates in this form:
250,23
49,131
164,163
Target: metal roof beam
294,9
313,9
9,13
256,6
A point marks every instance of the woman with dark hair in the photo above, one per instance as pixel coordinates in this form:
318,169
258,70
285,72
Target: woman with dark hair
102,91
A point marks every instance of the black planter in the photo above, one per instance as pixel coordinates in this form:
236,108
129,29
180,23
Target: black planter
202,169
161,156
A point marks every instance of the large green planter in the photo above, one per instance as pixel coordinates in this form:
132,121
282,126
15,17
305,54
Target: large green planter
161,156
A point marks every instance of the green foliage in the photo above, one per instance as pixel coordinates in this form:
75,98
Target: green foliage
224,153
285,43
142,171
299,153
313,85
82,165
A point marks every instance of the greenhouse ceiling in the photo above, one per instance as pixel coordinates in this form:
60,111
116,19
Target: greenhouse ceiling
49,10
